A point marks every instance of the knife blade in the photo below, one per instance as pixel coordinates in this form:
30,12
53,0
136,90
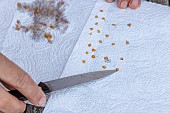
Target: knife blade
66,82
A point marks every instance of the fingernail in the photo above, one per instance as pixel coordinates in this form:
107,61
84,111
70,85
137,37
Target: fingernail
124,4
135,2
109,1
42,101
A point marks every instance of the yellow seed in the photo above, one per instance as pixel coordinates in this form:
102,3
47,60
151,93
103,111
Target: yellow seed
38,29
96,23
117,69
113,24
87,52
129,25
89,45
100,41
19,3
113,44
17,28
26,7
121,58
93,56
96,16
98,31
18,22
103,18
104,67
50,41
101,10
106,58
84,61
127,42
91,28
52,27
107,36
93,50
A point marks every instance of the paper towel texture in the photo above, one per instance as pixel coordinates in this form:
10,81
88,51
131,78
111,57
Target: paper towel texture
142,84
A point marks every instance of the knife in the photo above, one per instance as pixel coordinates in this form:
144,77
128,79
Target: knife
66,82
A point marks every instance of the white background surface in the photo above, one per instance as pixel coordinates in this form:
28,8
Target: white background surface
142,84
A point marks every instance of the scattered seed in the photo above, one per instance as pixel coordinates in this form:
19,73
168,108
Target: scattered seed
48,35
107,36
91,29
19,3
93,50
18,22
84,61
129,25
17,28
104,67
89,45
101,10
121,58
113,44
100,41
52,27
117,69
127,42
87,52
106,58
96,23
50,41
93,56
98,31
38,28
96,16
113,24
104,18
26,7
31,27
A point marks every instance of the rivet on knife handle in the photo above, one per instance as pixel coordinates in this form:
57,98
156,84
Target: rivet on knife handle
33,109
19,96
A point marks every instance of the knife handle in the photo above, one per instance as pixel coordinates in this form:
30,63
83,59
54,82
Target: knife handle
21,97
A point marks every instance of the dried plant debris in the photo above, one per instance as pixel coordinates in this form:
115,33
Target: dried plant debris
46,16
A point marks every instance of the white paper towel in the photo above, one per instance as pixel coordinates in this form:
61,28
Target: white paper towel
142,84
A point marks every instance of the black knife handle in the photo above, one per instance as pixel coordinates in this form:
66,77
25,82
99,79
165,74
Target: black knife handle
33,109
19,96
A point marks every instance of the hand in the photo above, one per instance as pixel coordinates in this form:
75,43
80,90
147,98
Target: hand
13,77
127,3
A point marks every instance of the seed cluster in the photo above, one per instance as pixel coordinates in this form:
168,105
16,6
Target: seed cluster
46,16
92,30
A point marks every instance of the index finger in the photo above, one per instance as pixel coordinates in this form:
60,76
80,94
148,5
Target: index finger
13,75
